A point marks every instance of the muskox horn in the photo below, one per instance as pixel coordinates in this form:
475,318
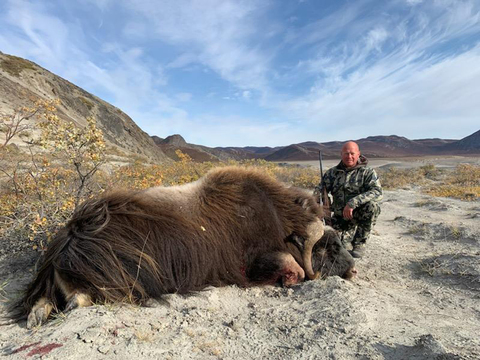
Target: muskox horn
315,231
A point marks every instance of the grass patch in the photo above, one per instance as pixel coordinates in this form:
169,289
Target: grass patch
394,178
3,293
455,232
433,267
89,104
419,229
144,336
15,65
463,183
425,203
458,270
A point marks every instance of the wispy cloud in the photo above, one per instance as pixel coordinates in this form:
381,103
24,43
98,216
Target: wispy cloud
224,72
401,77
222,34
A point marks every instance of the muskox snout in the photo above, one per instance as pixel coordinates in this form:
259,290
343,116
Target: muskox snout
351,273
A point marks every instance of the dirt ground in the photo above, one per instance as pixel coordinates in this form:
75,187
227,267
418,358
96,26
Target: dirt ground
417,296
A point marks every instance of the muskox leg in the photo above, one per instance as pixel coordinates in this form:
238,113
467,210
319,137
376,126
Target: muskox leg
43,307
269,268
74,297
39,313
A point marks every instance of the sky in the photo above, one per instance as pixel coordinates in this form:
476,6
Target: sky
264,72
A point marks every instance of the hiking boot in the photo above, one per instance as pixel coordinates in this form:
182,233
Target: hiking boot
358,251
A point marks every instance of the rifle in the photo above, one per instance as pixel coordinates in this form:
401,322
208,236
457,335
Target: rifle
322,194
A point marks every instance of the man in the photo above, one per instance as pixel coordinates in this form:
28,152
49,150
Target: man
356,191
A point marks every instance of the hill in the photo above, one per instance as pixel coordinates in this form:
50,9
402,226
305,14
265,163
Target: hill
21,80
372,146
469,144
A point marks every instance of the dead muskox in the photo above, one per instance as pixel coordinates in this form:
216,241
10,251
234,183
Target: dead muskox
234,226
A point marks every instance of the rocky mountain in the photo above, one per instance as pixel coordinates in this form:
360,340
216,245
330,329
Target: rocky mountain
21,80
469,144
199,153
372,146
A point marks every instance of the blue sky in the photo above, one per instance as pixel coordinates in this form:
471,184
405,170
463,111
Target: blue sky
238,73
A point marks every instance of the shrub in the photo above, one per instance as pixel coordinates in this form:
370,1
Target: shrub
463,183
394,178
41,189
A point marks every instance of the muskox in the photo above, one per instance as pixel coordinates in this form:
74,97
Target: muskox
233,226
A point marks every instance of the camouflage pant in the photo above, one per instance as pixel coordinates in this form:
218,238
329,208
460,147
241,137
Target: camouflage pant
358,229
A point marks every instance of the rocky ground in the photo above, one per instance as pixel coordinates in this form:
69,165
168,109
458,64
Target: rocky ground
417,296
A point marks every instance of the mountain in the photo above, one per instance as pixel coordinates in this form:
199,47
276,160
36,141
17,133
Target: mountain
469,144
372,146
292,153
21,80
198,153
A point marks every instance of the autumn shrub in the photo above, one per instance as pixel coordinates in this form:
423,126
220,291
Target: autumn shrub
140,175
41,188
430,171
394,178
299,176
36,202
462,183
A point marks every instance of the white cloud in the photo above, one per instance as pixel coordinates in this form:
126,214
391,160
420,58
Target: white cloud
218,33
409,72
414,2
438,99
246,94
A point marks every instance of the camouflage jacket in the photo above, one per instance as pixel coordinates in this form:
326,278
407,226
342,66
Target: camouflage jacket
355,186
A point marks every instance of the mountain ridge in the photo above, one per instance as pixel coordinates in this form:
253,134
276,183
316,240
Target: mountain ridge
378,146
21,79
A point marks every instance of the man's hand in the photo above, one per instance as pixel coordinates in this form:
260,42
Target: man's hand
348,213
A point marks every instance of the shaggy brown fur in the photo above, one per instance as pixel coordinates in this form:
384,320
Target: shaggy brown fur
131,246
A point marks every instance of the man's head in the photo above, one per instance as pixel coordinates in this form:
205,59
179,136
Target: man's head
350,154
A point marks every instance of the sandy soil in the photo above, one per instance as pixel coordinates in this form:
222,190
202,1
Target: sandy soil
417,296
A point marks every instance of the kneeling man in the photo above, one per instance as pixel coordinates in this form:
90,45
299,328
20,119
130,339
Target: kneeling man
356,191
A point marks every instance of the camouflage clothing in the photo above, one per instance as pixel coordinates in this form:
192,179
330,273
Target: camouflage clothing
358,229
360,188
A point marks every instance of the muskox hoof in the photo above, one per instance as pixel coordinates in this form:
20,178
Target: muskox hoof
78,300
315,276
39,313
36,318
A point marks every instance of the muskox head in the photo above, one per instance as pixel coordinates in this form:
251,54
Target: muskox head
329,257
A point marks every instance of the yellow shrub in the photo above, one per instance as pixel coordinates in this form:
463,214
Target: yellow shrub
463,183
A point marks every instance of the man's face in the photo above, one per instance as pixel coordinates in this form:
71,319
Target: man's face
350,155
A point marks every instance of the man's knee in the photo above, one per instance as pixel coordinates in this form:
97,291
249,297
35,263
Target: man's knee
339,223
367,211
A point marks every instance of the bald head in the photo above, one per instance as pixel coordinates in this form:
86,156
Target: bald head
350,154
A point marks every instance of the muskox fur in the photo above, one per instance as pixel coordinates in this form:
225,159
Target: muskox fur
136,245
